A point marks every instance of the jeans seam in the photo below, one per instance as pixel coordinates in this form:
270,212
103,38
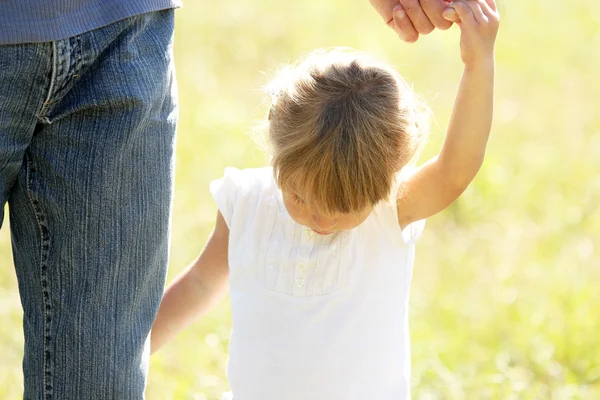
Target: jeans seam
44,245
52,80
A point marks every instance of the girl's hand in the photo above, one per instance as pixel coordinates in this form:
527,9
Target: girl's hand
479,21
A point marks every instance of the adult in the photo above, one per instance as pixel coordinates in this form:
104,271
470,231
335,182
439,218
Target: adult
87,125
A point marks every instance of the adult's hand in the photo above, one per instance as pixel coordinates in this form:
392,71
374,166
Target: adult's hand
411,18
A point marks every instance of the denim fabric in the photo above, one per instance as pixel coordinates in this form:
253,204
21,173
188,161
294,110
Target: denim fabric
87,127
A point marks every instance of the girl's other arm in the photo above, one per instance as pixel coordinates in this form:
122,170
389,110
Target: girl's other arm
437,183
196,291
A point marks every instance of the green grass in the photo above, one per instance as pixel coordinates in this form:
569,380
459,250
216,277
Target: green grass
507,281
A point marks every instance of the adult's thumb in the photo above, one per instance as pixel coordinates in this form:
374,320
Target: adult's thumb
450,14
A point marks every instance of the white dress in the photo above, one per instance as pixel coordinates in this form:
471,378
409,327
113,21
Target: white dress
314,317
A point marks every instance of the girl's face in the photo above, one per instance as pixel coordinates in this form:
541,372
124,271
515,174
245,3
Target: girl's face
308,215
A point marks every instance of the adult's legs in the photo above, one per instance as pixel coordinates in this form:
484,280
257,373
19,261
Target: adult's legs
90,211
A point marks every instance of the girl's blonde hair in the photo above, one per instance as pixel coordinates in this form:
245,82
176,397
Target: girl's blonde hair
341,126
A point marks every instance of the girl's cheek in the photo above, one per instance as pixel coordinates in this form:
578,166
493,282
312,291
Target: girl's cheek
299,216
294,212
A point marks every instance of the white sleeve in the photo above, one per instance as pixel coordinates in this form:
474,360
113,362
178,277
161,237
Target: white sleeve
387,216
224,192
413,231
387,212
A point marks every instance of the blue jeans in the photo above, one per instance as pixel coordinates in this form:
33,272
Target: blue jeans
87,128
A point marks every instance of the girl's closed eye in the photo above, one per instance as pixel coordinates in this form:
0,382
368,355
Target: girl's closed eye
297,199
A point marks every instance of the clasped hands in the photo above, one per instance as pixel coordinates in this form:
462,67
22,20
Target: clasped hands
411,18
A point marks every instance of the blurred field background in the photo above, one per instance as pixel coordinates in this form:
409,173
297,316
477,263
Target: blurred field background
506,290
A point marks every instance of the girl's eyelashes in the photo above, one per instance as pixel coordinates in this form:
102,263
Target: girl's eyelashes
297,199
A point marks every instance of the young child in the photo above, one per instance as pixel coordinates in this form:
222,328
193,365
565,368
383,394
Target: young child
317,249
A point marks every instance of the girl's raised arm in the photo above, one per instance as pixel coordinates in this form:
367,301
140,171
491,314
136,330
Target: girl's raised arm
437,183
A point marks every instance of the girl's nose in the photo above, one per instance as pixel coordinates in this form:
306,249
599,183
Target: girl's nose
323,223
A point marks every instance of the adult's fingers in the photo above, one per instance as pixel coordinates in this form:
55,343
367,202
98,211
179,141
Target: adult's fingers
434,10
417,16
384,8
403,26
464,12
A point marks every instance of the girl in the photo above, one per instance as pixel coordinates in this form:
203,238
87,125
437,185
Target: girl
317,249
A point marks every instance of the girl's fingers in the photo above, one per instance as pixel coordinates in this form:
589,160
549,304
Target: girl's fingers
464,12
485,7
478,14
492,5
